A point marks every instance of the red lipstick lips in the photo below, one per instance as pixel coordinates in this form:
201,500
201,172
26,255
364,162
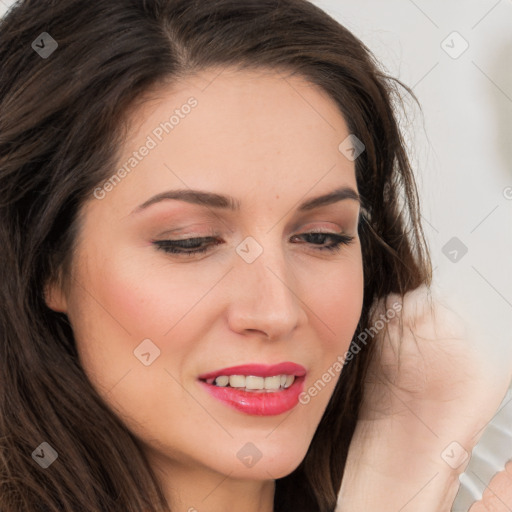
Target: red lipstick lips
259,402
258,370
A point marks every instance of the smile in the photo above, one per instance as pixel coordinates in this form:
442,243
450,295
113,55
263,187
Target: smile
259,390
253,382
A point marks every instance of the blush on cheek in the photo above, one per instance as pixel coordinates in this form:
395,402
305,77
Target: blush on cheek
131,296
148,302
340,307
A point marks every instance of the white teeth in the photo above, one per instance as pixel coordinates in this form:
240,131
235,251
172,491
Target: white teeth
253,383
237,381
222,381
289,381
273,382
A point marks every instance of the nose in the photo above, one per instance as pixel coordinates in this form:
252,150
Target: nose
265,297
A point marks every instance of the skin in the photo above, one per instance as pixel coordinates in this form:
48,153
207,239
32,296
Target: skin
270,142
428,397
497,496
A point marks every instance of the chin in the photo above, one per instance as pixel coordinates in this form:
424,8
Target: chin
263,460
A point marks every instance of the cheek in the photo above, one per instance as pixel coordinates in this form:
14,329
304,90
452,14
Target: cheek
336,302
148,300
121,302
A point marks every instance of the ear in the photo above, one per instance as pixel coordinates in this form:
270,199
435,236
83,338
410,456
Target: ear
55,297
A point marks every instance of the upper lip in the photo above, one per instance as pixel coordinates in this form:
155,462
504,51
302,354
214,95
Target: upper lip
258,370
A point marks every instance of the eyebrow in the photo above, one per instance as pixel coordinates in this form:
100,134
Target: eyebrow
213,200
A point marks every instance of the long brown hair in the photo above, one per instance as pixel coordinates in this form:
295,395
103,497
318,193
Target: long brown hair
62,123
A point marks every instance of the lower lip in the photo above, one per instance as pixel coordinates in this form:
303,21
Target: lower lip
258,403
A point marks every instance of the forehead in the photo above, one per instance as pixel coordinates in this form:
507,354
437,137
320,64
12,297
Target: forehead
236,131
262,108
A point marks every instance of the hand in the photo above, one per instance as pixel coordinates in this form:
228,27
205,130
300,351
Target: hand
497,497
427,399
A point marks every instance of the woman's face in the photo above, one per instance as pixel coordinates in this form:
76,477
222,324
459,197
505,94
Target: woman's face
153,328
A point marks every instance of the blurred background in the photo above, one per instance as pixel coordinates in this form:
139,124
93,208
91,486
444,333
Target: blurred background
457,57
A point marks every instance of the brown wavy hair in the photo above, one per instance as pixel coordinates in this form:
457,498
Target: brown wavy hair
63,120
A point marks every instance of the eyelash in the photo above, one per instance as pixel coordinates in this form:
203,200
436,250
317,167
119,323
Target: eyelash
174,247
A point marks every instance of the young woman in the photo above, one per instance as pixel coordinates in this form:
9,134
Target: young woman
202,203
